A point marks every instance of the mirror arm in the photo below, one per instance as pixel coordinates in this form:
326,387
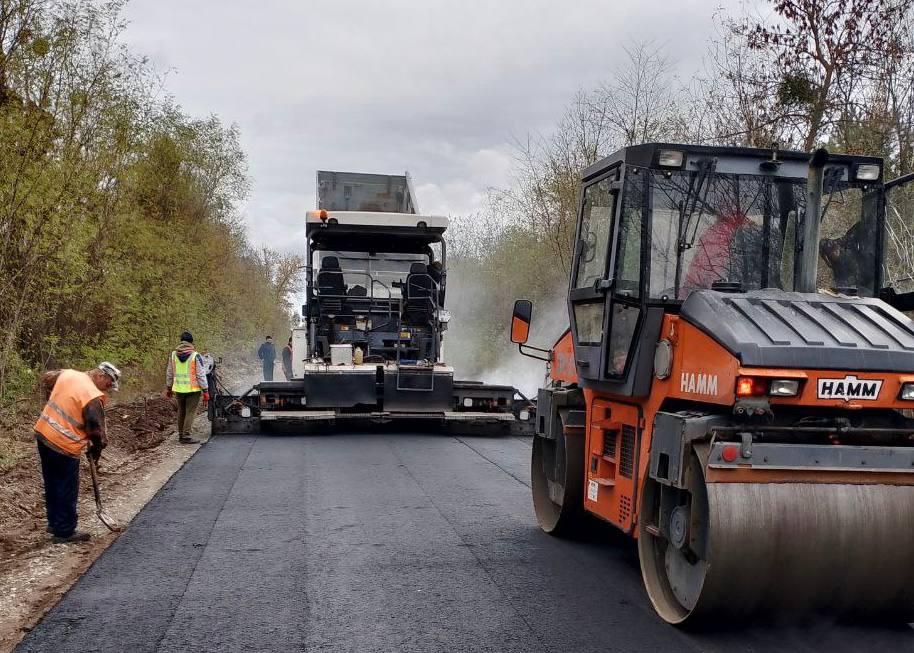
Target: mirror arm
535,352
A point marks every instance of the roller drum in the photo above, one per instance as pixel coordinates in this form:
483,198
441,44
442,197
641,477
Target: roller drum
788,549
837,548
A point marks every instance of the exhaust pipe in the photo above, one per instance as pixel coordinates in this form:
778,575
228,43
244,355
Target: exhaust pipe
807,254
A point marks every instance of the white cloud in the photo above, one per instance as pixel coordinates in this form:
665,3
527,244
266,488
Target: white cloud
438,88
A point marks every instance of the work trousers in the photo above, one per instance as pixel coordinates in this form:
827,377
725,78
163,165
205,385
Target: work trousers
187,410
61,489
268,370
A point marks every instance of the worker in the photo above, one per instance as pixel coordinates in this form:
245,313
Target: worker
287,360
185,380
436,272
73,419
850,258
267,355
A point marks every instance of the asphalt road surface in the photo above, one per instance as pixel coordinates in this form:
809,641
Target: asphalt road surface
384,542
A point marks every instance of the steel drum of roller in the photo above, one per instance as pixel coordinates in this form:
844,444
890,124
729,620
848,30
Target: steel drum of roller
781,548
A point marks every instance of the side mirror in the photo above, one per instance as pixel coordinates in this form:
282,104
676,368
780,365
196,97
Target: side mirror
520,321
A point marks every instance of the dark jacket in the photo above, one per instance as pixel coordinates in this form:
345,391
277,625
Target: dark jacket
267,352
287,358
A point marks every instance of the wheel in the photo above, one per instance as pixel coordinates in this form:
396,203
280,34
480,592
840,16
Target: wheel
672,544
714,550
557,478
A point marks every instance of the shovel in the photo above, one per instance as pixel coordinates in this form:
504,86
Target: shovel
103,517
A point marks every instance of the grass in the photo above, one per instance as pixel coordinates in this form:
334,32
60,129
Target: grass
16,439
11,452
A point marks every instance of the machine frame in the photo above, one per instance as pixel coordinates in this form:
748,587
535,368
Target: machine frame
736,411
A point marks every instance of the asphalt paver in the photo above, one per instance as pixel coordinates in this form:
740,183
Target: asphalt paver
378,542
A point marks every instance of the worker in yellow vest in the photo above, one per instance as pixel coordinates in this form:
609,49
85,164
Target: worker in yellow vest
185,380
72,420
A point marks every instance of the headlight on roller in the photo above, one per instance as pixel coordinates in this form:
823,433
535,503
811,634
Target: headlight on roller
670,158
867,172
907,392
786,388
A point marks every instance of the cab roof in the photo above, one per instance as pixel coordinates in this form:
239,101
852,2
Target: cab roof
732,159
369,231
375,220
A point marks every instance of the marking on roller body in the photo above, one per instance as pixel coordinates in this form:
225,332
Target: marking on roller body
850,387
593,490
699,384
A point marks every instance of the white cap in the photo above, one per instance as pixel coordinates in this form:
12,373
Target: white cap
112,372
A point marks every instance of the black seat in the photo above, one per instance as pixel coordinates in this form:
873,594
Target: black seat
330,288
419,284
330,278
419,292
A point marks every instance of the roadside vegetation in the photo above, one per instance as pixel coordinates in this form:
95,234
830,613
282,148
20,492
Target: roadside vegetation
794,74
119,220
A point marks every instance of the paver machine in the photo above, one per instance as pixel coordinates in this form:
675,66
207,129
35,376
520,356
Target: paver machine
371,347
735,386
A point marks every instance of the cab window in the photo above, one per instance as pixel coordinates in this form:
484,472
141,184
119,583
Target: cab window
596,223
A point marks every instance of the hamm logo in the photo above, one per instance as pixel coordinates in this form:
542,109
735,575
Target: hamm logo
850,387
701,384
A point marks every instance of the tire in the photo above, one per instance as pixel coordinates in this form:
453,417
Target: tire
557,479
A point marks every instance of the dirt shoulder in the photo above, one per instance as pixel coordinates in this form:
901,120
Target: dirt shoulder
142,455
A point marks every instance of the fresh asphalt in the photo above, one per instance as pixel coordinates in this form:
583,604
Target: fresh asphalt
378,542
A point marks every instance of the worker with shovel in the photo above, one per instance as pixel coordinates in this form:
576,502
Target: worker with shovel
72,420
185,380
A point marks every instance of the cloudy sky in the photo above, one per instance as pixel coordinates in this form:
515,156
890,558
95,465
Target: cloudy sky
438,88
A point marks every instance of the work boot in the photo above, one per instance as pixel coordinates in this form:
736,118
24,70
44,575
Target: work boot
187,439
75,536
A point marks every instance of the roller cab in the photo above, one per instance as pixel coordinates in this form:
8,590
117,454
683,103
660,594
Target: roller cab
735,383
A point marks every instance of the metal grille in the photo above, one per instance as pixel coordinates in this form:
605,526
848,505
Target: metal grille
625,508
627,457
609,443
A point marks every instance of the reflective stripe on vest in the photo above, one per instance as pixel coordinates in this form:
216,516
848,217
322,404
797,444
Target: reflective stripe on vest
185,374
61,421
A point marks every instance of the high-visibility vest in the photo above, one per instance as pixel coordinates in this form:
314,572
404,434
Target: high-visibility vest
61,422
185,374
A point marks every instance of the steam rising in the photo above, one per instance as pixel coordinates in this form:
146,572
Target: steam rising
477,343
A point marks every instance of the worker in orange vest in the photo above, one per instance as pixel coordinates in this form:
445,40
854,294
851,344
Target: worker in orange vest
185,380
72,420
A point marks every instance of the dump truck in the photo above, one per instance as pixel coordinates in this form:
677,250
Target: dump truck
371,346
735,386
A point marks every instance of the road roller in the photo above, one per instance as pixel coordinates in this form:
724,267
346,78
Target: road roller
736,383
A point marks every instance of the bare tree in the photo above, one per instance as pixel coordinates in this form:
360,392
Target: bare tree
733,100
639,101
823,54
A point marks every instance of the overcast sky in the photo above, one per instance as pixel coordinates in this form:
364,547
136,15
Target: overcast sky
436,88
